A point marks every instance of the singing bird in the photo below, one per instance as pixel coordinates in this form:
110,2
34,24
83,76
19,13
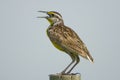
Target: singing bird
65,39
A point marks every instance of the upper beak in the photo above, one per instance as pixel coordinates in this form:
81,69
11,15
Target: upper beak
43,16
43,11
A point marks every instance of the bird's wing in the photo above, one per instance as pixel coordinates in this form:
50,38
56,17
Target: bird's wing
73,43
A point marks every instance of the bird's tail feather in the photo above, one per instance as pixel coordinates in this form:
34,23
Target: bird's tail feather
90,58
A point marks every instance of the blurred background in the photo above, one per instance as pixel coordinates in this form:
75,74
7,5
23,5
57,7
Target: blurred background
26,53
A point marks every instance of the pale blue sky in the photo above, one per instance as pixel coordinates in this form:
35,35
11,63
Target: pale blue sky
26,53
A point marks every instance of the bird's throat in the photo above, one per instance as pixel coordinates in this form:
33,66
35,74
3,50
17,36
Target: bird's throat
55,23
50,21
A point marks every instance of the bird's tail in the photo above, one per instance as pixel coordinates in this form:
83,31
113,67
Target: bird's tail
90,58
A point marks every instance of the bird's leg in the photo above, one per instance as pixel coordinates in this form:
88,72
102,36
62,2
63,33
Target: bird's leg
63,72
77,61
73,60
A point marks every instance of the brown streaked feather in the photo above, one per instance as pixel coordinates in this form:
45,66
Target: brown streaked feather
67,40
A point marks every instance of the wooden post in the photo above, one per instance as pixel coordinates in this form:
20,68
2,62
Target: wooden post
65,77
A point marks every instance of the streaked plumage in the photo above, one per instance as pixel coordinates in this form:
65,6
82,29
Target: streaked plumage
65,39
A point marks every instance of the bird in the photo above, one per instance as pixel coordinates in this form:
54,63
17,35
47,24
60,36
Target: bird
65,39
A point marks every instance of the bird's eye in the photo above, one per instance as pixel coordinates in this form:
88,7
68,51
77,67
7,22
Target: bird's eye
52,14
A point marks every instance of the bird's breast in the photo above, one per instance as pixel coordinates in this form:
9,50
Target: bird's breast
54,36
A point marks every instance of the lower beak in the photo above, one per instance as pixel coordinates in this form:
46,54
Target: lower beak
42,17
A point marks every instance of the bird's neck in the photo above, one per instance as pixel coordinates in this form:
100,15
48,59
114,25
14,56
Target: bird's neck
57,23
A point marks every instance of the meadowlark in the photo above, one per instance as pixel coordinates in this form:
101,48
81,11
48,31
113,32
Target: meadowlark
65,39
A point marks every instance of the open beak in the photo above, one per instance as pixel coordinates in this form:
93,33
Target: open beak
43,16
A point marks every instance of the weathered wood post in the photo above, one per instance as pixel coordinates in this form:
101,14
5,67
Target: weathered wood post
65,77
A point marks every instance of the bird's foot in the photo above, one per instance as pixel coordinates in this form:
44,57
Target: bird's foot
62,73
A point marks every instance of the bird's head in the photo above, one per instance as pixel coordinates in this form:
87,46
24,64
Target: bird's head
53,17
